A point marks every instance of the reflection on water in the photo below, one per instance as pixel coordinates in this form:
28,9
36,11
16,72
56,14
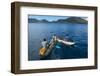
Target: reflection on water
77,32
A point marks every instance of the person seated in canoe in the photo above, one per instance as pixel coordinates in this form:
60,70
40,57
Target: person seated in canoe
44,46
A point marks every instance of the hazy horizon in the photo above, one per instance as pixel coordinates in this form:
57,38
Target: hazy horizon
51,18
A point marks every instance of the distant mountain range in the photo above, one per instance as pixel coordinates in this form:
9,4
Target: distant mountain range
78,20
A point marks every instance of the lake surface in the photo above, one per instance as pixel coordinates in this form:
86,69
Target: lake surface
77,32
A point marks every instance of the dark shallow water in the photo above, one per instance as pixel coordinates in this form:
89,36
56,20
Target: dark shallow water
77,32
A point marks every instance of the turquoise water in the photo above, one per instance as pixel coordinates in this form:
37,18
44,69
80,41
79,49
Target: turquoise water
57,46
77,32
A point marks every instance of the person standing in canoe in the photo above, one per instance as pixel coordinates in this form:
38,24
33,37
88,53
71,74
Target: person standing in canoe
54,38
44,47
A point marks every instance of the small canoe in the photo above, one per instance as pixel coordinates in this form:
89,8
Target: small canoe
45,52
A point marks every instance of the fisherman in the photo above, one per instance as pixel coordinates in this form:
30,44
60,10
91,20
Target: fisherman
44,43
44,46
54,38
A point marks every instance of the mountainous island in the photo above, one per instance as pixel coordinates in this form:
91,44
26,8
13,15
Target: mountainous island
78,20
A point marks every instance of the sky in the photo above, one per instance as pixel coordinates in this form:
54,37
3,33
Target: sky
49,18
